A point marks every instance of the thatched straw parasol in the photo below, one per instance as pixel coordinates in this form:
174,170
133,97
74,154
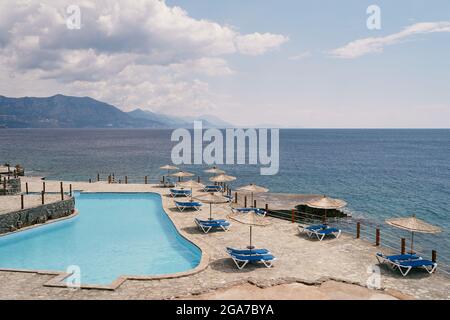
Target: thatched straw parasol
326,203
182,174
414,225
212,198
168,167
251,219
214,170
253,188
222,178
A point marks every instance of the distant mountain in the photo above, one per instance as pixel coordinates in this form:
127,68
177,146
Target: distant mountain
178,122
210,121
61,111
171,122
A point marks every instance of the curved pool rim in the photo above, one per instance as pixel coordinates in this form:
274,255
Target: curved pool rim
60,276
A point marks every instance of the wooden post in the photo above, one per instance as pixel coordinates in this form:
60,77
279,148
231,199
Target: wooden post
433,255
43,186
377,237
254,203
235,197
4,183
267,207
403,246
198,179
70,189
293,215
90,180
358,230
245,201
145,180
61,189
98,176
26,187
109,179
21,202
126,179
164,179
42,197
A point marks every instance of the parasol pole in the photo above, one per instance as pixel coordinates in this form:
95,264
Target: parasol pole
210,211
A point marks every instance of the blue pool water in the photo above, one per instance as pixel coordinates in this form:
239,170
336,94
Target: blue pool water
114,234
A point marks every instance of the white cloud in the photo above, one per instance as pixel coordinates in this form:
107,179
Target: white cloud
140,52
365,46
259,43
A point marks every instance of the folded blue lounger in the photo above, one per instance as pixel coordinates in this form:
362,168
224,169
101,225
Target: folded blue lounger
242,260
207,225
247,251
188,205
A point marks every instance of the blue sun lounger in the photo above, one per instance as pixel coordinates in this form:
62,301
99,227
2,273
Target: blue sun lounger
179,193
311,227
207,225
406,262
247,251
212,188
188,205
382,258
242,260
320,231
258,211
405,266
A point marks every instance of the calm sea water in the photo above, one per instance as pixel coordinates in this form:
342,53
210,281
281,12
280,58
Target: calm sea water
380,173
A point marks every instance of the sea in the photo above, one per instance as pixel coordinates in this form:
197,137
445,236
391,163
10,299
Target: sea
380,173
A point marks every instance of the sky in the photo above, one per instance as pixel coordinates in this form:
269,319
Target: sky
284,63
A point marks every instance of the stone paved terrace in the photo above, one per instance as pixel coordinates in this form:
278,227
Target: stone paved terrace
300,260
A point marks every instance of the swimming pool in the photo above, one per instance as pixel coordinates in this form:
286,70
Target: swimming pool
114,234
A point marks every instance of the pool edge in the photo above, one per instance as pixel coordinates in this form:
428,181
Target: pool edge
60,276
